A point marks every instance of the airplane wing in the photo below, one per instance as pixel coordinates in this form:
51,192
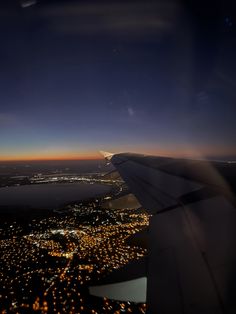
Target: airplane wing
128,283
192,233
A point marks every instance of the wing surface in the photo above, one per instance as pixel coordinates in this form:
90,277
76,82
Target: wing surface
192,237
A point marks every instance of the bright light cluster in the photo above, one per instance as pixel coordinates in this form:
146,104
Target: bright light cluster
48,269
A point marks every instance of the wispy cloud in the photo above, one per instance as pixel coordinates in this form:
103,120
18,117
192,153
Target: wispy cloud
27,3
130,111
117,17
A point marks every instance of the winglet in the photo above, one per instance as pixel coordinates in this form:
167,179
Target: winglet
106,155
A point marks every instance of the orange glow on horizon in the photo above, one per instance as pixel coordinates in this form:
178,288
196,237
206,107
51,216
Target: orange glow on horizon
171,151
35,157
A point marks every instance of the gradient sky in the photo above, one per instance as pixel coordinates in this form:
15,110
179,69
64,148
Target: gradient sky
153,77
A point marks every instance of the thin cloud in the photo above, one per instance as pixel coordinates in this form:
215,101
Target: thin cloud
130,111
28,3
117,18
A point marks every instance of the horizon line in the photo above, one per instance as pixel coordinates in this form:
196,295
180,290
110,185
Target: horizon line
100,157
51,159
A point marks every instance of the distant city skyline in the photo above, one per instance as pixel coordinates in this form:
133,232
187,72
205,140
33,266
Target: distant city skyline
154,77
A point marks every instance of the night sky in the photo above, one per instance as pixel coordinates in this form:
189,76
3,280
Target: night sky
155,77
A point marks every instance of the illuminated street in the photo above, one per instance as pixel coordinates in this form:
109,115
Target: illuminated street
47,265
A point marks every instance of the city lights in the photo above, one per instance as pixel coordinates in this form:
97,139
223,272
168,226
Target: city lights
47,264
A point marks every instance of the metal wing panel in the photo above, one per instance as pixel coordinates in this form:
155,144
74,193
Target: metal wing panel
191,266
154,189
128,291
179,280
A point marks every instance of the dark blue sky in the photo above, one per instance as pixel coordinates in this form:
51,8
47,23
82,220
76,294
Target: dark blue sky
145,76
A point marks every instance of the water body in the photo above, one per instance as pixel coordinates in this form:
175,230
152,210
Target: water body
45,196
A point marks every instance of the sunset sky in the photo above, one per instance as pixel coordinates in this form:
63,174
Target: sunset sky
153,77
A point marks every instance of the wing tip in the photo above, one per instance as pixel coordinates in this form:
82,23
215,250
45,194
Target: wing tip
106,155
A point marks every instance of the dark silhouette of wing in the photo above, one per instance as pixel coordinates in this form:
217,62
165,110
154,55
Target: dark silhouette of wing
192,233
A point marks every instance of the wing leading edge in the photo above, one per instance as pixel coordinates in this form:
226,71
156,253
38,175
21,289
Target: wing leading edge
192,241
